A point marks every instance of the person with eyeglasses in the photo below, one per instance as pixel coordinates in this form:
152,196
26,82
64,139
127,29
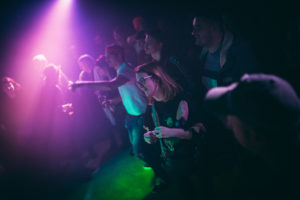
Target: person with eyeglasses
175,123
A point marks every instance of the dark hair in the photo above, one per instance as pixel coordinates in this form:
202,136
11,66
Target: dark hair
101,62
115,50
121,31
51,73
168,86
157,35
138,20
211,16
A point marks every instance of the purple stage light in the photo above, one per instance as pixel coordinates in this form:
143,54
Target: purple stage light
48,38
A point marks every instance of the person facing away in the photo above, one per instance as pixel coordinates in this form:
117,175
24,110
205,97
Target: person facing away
263,111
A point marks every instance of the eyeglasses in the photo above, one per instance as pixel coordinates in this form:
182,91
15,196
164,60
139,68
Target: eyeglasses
141,82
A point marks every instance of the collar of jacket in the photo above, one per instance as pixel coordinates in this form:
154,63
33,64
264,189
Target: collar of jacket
226,44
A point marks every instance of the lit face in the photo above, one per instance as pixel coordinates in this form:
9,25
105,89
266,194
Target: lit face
151,45
202,32
146,84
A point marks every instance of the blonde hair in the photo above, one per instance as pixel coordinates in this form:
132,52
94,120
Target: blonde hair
166,84
40,60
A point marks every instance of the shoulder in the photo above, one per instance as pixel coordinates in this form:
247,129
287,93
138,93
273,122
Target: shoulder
181,99
124,68
127,71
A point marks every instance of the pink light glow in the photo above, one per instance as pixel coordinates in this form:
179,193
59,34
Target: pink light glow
49,35
65,3
53,34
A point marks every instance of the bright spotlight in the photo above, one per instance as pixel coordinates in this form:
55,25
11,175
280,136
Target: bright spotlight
65,2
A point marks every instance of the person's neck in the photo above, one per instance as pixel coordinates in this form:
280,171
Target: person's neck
216,42
118,65
156,55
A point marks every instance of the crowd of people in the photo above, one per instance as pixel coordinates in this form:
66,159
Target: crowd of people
206,119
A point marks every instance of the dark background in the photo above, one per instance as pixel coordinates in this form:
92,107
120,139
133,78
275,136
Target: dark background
270,26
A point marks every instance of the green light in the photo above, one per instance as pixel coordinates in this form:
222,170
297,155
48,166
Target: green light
123,177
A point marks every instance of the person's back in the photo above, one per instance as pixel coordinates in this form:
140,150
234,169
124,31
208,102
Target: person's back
133,99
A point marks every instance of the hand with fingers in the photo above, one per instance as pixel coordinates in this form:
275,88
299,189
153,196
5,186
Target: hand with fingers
150,137
106,103
72,86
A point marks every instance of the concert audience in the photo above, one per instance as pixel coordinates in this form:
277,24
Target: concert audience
162,52
217,128
133,99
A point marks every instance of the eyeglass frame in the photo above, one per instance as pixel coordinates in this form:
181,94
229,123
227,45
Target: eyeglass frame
141,84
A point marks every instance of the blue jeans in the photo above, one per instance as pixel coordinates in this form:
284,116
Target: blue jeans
150,154
134,125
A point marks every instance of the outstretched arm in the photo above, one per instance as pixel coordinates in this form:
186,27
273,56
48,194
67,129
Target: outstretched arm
102,85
